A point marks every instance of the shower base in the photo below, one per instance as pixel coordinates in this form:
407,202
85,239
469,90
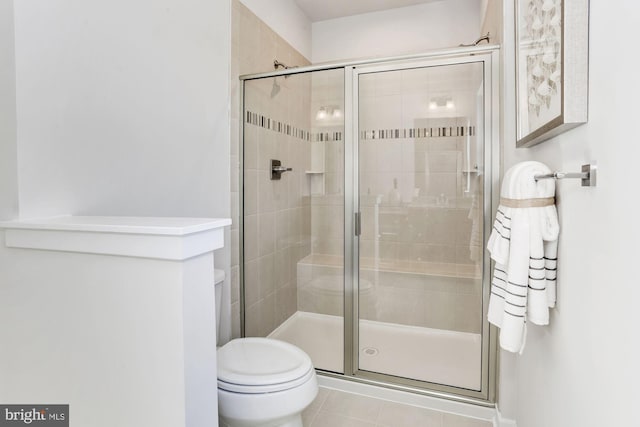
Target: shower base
433,355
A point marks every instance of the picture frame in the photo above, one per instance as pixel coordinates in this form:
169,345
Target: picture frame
552,68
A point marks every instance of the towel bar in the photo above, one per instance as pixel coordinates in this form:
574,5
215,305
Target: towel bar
588,175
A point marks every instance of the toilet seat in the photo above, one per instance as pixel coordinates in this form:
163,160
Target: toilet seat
262,365
271,388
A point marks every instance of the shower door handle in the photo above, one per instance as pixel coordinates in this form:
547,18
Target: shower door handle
357,225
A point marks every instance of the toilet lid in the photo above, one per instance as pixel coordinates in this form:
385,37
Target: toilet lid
261,363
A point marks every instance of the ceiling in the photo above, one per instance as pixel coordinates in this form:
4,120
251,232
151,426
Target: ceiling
320,10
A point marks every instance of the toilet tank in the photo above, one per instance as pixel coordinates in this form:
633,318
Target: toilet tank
218,277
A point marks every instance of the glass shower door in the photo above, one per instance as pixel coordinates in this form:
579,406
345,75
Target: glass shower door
420,254
293,221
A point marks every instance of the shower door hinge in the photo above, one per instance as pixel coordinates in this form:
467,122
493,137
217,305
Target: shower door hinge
357,224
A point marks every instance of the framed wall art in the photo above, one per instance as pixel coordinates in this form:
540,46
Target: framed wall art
552,51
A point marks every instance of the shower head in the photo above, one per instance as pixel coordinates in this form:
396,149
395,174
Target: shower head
275,88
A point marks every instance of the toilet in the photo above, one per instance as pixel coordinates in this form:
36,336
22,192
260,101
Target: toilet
262,382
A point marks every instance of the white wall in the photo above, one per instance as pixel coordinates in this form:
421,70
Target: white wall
8,150
583,369
287,19
122,107
492,20
397,31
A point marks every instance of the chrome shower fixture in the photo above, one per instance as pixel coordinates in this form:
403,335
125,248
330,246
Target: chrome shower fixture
485,38
277,64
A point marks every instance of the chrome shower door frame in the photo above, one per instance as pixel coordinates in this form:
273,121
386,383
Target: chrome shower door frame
489,60
489,56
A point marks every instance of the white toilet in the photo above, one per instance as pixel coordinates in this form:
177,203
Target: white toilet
262,382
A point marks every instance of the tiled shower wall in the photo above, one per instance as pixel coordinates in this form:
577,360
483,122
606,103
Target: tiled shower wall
271,287
423,267
327,214
420,246
423,168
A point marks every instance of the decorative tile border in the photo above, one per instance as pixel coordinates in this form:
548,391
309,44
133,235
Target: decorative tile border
277,126
327,136
430,132
413,133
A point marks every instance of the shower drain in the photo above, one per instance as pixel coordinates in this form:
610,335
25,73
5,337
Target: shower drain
370,351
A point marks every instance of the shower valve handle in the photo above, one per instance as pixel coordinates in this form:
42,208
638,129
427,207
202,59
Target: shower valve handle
281,169
277,169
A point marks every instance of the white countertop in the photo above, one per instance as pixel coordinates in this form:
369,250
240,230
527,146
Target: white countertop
144,237
167,226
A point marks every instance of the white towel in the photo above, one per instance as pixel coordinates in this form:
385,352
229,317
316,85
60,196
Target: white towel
523,244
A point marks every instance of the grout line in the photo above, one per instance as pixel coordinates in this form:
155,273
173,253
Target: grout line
312,418
370,400
326,397
346,417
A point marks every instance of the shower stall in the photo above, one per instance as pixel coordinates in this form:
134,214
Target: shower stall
367,194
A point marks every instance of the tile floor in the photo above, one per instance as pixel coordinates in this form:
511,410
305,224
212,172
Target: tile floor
333,408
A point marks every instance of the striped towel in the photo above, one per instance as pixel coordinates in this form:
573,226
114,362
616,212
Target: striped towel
523,245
